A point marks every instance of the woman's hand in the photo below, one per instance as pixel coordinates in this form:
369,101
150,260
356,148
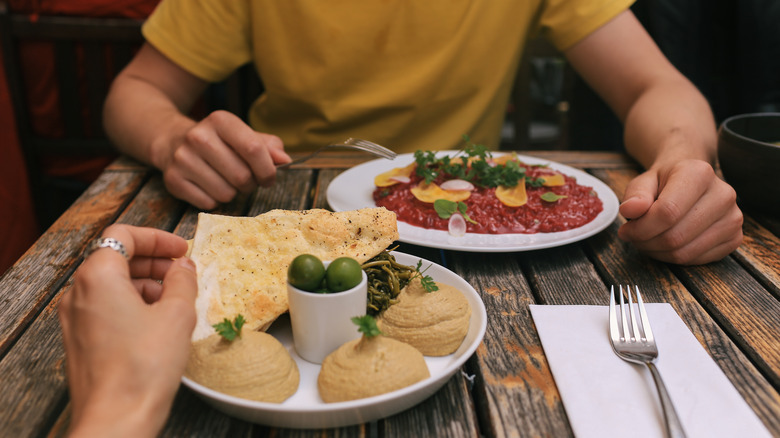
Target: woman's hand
126,335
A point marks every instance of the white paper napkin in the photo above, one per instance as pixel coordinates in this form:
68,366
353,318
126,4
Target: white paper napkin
605,396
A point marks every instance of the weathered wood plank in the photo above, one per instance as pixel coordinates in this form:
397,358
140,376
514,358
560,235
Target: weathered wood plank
743,307
324,178
760,254
515,392
551,273
34,386
153,207
291,192
586,159
26,287
447,413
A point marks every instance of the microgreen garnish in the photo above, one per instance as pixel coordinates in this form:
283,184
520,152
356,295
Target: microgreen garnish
229,330
426,280
551,197
367,325
473,163
446,208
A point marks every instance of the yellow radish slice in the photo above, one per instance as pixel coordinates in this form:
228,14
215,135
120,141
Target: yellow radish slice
431,192
388,178
512,196
553,180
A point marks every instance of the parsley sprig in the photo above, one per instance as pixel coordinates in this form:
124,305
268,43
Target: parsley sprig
230,330
426,280
367,325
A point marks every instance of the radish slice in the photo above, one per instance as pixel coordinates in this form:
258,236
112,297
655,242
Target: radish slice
457,185
457,225
401,179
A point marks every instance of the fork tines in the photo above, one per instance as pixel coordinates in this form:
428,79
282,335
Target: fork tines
368,145
628,315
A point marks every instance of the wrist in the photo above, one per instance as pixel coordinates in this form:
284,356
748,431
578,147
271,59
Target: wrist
163,145
119,417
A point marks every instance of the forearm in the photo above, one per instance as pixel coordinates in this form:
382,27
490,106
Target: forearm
118,424
669,122
142,121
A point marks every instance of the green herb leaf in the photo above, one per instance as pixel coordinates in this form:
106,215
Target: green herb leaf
445,208
367,325
426,281
552,197
462,210
229,330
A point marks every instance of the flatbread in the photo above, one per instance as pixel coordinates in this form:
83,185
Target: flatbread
242,261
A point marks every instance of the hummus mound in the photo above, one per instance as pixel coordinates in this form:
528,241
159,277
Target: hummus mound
367,367
255,366
433,322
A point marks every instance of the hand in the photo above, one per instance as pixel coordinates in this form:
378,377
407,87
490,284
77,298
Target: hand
219,157
682,213
127,336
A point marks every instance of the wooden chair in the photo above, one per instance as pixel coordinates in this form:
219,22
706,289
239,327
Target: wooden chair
88,53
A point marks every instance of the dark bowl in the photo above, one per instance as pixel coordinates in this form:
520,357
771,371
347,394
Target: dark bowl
749,155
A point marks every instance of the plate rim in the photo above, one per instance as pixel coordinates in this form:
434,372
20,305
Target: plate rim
443,241
244,409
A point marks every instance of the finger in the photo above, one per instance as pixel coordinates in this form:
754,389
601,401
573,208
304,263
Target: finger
179,289
716,214
188,191
675,200
149,242
639,195
180,283
699,252
149,267
278,154
258,150
219,140
191,164
150,290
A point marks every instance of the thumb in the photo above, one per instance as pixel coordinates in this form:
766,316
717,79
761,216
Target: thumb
276,148
180,287
639,195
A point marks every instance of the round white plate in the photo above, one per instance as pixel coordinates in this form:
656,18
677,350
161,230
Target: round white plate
305,409
353,189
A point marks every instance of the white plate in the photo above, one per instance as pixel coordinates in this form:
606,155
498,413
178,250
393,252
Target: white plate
353,189
305,409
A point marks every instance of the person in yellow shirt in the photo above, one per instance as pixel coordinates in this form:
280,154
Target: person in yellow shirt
414,75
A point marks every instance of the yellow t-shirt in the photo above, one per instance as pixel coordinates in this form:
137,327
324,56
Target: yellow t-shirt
408,74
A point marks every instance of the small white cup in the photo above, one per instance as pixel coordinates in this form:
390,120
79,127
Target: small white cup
321,323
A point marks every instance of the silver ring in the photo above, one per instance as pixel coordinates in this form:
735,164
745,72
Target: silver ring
106,242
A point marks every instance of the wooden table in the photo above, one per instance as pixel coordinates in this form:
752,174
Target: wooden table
732,307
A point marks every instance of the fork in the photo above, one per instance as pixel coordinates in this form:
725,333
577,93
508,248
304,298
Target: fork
350,143
640,347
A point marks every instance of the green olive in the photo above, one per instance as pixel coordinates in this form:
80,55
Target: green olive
306,272
343,273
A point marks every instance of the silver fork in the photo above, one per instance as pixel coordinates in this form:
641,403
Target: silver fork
640,347
350,143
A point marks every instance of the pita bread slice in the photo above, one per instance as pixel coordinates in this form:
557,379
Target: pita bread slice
242,261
